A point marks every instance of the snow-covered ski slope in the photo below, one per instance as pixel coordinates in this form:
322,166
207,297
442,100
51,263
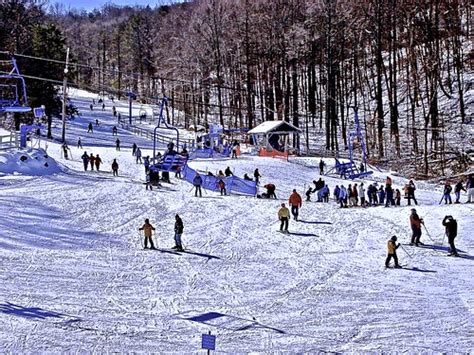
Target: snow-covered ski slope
74,277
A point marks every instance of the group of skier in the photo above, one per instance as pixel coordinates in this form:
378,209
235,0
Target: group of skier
148,230
451,231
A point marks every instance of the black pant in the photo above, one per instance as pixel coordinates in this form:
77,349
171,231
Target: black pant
151,242
390,256
284,223
294,212
410,197
198,188
415,237
451,244
223,191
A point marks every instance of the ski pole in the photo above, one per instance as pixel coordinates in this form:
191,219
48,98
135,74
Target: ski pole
407,253
141,239
428,233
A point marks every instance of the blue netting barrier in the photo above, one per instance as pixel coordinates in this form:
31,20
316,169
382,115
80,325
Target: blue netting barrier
210,153
233,184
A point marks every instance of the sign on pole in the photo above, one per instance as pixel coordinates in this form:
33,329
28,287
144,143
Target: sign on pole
208,342
39,112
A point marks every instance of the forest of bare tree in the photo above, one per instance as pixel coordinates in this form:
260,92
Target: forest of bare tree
406,66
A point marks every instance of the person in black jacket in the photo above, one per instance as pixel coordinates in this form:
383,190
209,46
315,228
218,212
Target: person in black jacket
178,231
451,232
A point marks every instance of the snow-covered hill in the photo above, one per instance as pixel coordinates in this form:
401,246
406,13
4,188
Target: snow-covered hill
74,276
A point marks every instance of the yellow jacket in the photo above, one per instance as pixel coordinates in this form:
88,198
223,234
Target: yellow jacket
147,228
391,247
283,213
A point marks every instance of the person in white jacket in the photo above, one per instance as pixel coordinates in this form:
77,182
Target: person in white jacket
362,194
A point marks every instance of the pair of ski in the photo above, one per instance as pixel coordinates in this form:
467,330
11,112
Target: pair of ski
168,250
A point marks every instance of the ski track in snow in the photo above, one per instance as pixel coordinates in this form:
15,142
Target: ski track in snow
75,279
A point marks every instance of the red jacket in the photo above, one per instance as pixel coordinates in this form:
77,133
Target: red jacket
295,200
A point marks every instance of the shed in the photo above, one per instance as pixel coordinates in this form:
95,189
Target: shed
274,135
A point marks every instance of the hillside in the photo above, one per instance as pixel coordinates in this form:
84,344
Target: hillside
76,279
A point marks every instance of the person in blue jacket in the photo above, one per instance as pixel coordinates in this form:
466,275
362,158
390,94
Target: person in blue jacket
197,182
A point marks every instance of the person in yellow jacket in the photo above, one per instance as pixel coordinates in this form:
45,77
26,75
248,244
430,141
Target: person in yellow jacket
392,247
284,216
147,229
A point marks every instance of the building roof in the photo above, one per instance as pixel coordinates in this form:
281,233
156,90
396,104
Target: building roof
273,126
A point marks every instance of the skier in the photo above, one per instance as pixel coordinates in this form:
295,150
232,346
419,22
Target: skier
381,194
398,197
65,149
451,232
98,161
295,202
372,194
114,131
336,191
247,178
148,181
79,143
115,167
134,149
114,111
362,194
322,164
389,196
91,107
343,196
447,193
235,146
178,232
457,190
96,122
92,161
392,252
470,188
228,172
410,192
103,106
138,154
117,144
257,176
147,229
270,191
90,128
361,167
318,185
283,216
308,194
85,160
355,194
415,223
350,195
197,182
325,193
146,163
221,185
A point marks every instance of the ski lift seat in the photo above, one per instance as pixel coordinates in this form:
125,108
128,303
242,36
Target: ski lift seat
171,163
360,175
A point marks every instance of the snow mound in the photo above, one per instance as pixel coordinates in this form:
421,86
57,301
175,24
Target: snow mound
33,162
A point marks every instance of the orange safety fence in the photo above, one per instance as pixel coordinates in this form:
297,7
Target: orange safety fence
273,153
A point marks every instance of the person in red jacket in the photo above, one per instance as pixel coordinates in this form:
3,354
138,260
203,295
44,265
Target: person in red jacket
295,202
415,223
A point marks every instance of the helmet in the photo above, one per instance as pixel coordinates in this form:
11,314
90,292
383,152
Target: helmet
394,238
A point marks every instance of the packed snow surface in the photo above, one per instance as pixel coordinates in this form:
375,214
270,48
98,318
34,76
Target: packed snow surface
74,276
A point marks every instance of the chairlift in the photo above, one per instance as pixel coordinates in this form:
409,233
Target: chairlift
13,98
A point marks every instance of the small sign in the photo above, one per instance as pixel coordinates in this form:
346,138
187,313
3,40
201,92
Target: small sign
208,342
39,112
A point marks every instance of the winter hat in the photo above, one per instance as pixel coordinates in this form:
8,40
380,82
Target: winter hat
413,210
394,238
147,220
282,205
